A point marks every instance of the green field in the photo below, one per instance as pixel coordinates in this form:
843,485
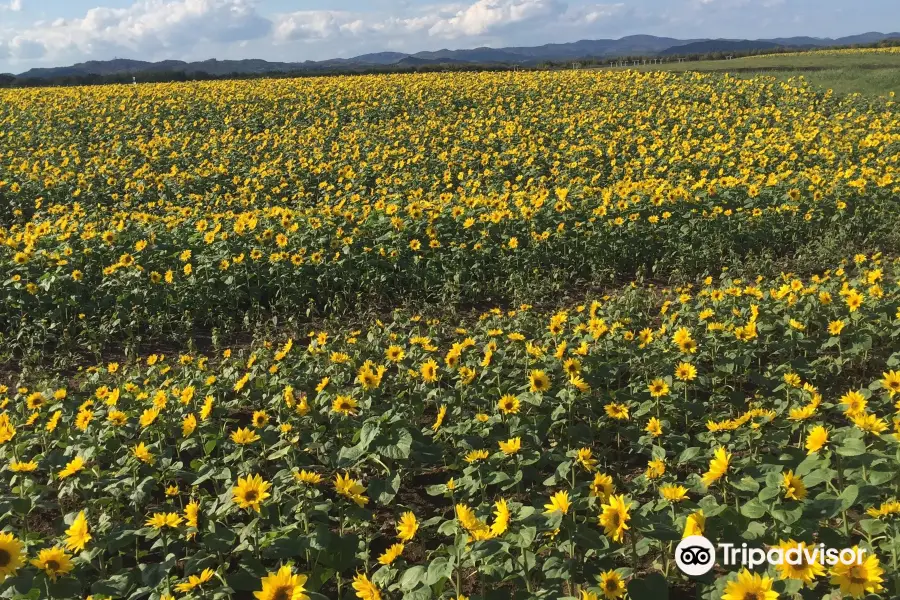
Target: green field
870,73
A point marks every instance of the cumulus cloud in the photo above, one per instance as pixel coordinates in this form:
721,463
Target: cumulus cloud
146,28
311,25
601,12
472,20
486,16
14,5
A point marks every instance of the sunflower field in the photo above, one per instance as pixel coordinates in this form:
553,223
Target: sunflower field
448,336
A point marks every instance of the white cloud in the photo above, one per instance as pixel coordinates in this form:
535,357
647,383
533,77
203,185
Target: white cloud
434,22
311,25
14,5
486,16
147,28
594,13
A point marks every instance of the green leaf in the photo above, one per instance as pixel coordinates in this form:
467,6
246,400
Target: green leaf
115,586
383,491
651,587
439,569
689,454
852,447
880,477
873,527
221,539
412,578
848,496
746,484
423,593
398,445
753,509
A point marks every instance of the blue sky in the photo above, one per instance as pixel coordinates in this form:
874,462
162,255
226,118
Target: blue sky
36,33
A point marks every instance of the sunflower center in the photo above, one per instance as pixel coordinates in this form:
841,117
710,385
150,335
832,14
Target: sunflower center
5,558
754,596
251,495
282,592
52,565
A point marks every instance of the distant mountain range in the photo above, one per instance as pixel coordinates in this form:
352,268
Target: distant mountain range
633,45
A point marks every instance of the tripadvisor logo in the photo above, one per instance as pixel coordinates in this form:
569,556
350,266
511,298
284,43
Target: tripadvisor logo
696,555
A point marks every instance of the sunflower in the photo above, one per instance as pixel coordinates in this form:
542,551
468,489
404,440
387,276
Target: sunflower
511,446
117,418
74,466
891,382
188,425
656,468
614,517
192,514
718,466
35,401
870,423
77,534
559,503
160,520
794,488
854,300
616,411
801,569
250,492
391,554
602,486
11,555
282,585
508,404
572,367
585,458
750,586
243,436
22,467
195,581
476,455
407,527
142,453
308,477
260,419
673,493
344,405
854,403
442,412
365,589
538,381
611,585
351,489
53,561
501,518
694,524
685,372
429,371
658,388
654,427
395,354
